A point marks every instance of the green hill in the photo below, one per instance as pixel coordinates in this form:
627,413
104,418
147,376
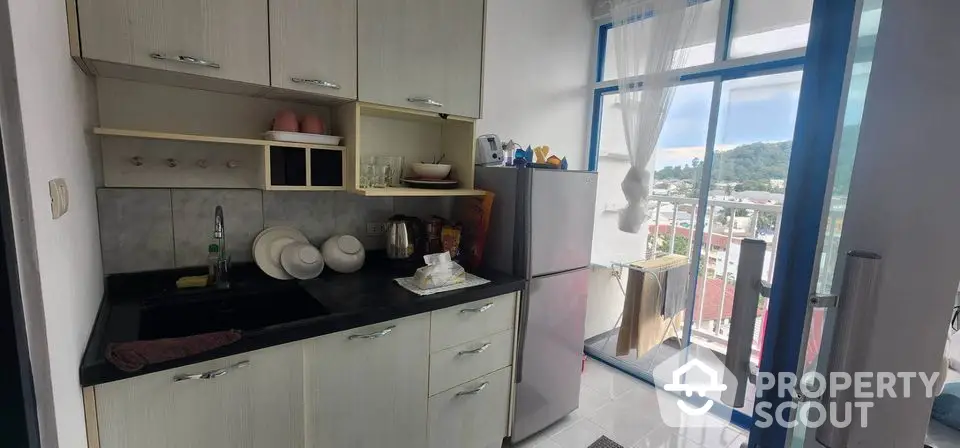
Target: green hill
753,165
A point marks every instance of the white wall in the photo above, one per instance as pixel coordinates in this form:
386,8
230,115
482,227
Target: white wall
903,203
57,105
537,85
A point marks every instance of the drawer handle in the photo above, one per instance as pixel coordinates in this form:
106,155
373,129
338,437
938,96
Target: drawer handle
473,391
477,310
378,334
425,101
211,374
317,82
185,60
475,351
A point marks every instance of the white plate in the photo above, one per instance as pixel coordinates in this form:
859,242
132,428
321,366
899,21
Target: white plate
268,246
301,137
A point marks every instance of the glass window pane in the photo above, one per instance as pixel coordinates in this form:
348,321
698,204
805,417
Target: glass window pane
680,150
766,26
751,161
701,51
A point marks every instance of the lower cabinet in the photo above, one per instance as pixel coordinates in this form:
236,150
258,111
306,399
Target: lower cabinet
367,387
251,400
370,387
473,415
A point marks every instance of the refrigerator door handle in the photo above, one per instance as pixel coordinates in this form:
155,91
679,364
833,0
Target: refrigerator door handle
522,332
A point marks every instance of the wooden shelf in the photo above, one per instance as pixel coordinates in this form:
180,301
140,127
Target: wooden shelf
208,139
422,192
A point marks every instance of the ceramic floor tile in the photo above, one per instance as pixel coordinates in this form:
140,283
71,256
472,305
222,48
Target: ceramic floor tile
665,438
739,442
578,435
625,422
537,441
607,380
590,401
710,437
560,425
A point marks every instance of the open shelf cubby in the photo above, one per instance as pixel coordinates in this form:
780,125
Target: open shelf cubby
417,136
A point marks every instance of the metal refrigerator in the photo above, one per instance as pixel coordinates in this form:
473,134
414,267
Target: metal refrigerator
541,228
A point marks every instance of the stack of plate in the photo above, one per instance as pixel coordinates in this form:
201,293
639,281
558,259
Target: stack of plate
284,253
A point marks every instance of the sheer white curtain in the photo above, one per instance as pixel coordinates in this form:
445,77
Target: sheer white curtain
650,37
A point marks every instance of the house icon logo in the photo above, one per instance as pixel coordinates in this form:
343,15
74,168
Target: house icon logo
689,387
703,390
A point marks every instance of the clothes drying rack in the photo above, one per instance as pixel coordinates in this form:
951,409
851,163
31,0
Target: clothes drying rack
655,263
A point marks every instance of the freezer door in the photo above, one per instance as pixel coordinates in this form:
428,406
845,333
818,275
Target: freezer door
501,245
561,205
551,353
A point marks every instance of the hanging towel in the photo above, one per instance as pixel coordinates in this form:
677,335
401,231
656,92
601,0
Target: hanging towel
675,290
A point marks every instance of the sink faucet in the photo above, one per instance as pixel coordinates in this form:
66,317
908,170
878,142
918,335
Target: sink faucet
222,268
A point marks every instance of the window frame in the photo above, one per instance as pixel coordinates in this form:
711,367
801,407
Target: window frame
722,69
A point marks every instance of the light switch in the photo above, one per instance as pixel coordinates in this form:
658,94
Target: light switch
59,197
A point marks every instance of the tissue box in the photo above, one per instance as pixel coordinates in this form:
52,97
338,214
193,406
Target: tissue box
439,271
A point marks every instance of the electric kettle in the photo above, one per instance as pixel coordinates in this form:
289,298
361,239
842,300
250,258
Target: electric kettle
403,237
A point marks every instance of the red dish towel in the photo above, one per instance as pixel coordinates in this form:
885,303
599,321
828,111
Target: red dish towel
133,356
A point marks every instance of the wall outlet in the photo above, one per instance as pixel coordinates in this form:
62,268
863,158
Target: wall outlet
376,228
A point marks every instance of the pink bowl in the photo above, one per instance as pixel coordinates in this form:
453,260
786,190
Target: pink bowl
286,121
311,124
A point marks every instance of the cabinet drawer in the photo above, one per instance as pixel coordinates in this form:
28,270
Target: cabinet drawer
465,362
459,324
473,415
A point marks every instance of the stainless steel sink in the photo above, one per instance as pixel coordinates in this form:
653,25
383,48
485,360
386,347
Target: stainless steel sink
227,311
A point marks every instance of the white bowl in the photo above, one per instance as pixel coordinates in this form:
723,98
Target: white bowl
435,171
343,253
301,260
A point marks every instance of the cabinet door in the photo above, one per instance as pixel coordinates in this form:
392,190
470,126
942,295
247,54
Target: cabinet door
313,46
225,39
473,415
422,54
257,402
367,388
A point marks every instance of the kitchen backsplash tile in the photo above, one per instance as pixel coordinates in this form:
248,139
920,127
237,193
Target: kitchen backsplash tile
354,212
193,212
148,229
136,230
314,213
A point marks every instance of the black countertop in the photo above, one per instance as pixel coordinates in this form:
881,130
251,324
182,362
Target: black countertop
366,297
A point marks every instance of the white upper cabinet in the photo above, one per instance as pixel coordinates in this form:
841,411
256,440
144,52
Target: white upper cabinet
226,39
422,54
313,46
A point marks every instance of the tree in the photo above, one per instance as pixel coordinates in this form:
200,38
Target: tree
680,246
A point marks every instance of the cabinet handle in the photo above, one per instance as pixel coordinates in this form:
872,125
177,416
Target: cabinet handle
425,101
477,310
473,391
475,351
378,334
211,374
185,60
317,82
